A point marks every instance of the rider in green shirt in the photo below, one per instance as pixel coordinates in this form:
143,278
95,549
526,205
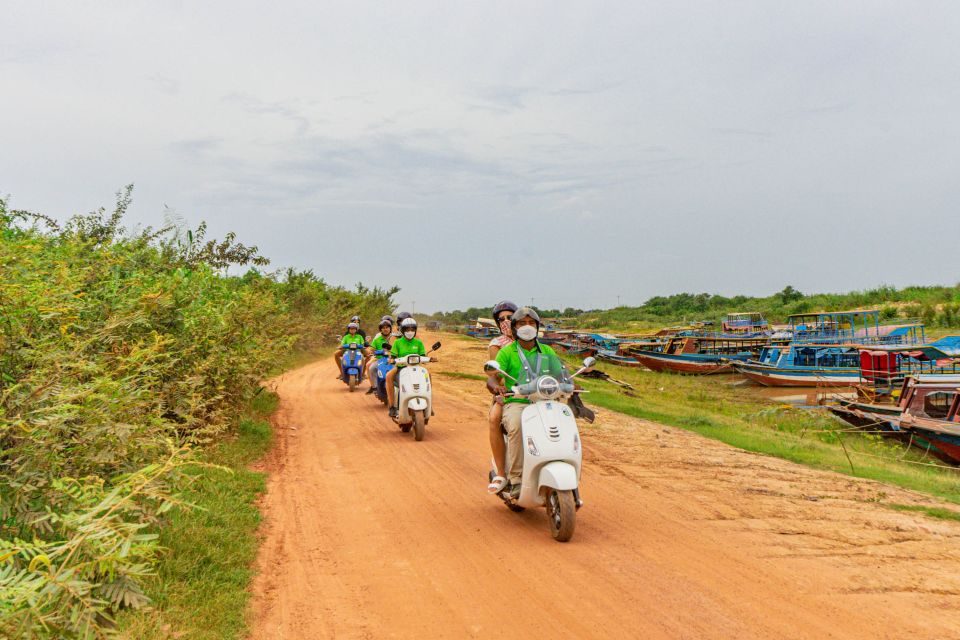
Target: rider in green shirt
525,325
352,336
407,344
378,342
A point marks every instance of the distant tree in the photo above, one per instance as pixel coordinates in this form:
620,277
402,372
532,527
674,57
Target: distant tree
789,294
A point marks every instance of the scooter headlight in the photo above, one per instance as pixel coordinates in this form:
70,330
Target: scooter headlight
548,387
413,360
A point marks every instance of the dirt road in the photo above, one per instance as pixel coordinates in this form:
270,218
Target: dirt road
369,534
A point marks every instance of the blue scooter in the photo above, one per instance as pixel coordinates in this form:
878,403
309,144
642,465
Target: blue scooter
383,367
352,365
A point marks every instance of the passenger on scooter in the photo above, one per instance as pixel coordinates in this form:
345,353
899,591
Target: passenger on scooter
386,328
403,315
502,313
407,344
352,336
515,359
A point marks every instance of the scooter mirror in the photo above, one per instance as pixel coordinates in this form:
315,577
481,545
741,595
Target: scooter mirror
491,365
589,362
436,345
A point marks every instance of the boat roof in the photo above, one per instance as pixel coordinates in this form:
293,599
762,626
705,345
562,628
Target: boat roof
828,314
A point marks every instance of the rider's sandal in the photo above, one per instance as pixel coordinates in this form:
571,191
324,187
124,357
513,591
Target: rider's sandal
497,484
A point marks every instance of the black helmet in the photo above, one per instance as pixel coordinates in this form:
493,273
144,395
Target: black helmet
523,312
385,321
403,315
504,305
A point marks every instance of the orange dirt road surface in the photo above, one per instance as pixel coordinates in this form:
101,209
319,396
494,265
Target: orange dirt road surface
369,534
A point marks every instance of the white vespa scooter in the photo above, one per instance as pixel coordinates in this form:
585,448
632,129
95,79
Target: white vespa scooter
414,395
551,445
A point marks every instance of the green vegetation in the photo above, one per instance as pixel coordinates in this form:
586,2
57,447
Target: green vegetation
711,408
122,356
460,374
937,306
933,512
201,586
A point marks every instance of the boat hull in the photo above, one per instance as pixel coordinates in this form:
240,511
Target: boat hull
798,377
682,364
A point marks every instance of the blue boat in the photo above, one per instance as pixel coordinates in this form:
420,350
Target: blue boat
825,349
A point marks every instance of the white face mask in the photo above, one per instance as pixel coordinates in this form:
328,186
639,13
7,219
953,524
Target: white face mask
409,334
527,332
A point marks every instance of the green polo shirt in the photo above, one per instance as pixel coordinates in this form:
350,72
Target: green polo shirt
352,339
403,347
378,341
510,364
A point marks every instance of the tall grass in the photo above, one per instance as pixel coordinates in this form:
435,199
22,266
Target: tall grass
121,353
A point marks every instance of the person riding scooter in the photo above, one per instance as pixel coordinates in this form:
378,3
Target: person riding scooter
350,337
405,345
516,359
502,313
378,342
338,354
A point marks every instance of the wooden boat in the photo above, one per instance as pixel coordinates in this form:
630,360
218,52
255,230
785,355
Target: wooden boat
745,323
931,413
699,354
926,402
614,358
825,349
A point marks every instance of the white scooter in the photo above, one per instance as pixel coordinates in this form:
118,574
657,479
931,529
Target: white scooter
414,396
551,445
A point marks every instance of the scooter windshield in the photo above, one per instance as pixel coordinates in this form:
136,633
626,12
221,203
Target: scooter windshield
550,365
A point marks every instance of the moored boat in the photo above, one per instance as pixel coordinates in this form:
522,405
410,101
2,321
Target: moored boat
700,354
825,349
931,414
615,358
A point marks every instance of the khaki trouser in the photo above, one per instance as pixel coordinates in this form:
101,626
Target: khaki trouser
512,422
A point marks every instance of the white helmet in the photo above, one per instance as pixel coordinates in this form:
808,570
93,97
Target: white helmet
408,324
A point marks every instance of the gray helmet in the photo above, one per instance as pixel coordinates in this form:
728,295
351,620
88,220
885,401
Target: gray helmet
355,319
353,325
504,305
520,314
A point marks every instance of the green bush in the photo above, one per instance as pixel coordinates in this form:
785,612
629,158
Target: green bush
120,354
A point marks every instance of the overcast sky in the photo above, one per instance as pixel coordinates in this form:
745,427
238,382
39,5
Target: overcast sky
473,151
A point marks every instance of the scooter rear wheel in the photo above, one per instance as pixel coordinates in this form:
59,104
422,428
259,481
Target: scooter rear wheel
562,514
419,425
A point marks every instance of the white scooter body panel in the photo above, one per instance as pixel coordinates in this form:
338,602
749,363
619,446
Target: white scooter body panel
551,428
414,394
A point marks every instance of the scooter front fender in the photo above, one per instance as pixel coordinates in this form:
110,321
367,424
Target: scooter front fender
558,475
417,404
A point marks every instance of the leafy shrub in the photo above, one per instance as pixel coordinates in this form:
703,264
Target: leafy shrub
120,353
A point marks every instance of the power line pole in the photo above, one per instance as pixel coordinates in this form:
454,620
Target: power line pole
413,307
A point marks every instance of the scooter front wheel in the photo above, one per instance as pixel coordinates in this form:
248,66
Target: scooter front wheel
562,514
352,382
419,425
